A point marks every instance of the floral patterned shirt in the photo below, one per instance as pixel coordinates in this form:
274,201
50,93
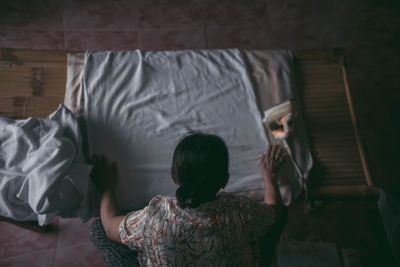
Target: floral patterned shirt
218,233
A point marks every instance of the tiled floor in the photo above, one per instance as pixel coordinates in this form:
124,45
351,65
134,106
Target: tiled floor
367,29
67,244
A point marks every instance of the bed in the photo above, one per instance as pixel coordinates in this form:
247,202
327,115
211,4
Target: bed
33,84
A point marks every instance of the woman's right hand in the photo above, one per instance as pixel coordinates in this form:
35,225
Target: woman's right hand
271,161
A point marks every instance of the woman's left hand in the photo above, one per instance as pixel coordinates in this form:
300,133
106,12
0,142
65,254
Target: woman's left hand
104,174
271,161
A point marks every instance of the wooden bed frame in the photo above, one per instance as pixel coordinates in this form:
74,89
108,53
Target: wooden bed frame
341,169
32,84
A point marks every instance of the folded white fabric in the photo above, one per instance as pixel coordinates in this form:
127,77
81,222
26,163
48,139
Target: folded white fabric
42,170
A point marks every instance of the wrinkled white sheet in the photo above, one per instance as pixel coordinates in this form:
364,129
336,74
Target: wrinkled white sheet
138,104
42,170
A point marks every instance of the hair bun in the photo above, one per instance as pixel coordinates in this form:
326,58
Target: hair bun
200,165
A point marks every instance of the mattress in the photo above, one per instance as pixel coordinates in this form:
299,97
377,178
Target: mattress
135,105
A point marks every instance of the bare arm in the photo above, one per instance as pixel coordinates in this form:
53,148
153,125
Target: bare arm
104,176
272,196
269,165
109,214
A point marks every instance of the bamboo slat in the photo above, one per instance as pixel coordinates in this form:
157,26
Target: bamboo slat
344,192
40,56
329,122
315,54
15,80
32,78
42,106
13,107
349,181
355,125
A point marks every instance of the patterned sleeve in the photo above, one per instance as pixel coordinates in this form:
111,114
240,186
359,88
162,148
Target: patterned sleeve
257,218
131,228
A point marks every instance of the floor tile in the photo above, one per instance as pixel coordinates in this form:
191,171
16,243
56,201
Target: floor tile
238,37
379,69
32,39
170,14
368,27
236,13
73,232
279,11
17,241
101,40
371,40
100,15
351,7
305,34
303,24
39,259
35,15
80,255
172,39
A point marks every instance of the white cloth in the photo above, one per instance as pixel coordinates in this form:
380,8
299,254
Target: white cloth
42,173
271,76
138,104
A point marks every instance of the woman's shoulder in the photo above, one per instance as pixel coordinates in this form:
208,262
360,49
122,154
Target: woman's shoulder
163,202
160,200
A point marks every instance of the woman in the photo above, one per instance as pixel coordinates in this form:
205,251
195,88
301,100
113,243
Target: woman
198,226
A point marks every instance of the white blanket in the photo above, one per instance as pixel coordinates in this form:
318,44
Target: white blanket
42,173
138,104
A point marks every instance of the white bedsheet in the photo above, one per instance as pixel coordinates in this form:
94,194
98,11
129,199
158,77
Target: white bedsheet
138,104
42,170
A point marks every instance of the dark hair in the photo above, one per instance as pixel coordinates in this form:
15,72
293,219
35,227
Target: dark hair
200,166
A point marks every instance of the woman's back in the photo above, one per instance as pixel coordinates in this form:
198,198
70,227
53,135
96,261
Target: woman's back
196,227
222,232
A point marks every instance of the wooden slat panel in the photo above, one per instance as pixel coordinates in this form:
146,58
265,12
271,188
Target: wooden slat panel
345,192
315,54
26,79
13,107
333,181
32,83
40,56
15,80
42,106
328,119
360,147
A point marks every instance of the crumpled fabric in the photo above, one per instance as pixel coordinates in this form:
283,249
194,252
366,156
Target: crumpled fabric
42,169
